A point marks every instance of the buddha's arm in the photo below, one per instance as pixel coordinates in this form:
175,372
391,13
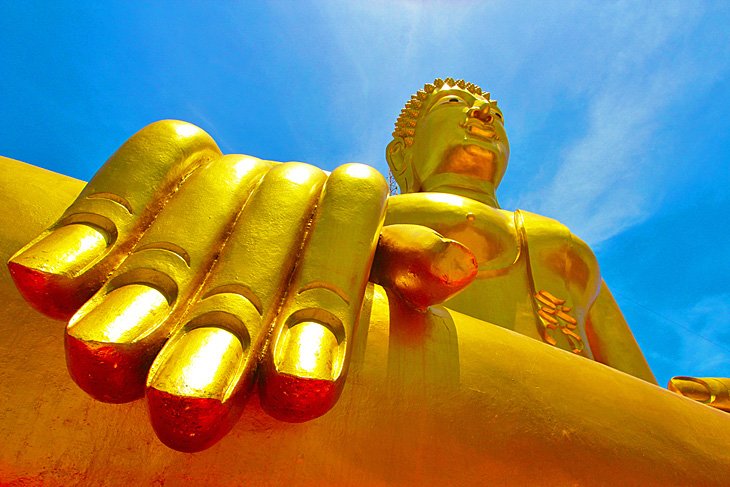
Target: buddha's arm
205,284
611,340
448,402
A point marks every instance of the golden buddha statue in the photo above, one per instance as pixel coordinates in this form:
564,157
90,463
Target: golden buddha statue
189,277
449,154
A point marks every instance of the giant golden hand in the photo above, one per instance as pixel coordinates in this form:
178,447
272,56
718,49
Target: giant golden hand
185,273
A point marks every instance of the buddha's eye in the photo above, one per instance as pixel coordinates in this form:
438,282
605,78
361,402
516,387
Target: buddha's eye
450,100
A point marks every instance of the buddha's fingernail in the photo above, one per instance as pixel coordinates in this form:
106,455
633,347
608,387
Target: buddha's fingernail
308,350
690,387
455,265
192,390
44,272
65,251
111,342
307,366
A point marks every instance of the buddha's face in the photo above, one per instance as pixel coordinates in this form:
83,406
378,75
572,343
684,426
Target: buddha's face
459,141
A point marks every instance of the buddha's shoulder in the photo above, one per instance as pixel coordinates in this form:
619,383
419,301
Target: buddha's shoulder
430,207
552,244
549,232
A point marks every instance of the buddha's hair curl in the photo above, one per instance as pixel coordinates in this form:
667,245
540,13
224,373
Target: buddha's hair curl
405,126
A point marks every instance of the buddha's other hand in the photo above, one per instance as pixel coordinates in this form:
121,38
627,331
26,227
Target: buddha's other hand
185,274
712,391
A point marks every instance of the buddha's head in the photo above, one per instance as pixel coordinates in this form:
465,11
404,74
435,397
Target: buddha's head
449,136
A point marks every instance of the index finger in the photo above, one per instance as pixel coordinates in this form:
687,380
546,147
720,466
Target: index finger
307,360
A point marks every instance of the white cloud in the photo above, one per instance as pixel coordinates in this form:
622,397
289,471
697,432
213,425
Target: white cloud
626,62
386,51
602,184
634,75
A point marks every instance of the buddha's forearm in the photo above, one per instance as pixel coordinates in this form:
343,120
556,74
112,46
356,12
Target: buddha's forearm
452,401
493,401
611,340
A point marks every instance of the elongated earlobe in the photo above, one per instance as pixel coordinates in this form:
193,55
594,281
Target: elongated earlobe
399,161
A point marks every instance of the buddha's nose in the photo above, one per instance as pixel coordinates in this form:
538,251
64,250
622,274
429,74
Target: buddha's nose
482,113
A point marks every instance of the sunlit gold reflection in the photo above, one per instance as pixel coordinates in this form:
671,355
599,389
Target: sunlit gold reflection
308,349
186,130
358,171
66,250
449,199
124,315
298,174
202,361
245,165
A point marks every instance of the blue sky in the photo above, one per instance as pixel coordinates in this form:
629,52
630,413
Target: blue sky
617,114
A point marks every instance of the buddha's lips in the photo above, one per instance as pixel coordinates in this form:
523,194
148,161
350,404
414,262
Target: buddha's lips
481,131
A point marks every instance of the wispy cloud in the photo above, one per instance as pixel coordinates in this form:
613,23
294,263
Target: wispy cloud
689,340
601,185
705,348
607,179
385,51
625,65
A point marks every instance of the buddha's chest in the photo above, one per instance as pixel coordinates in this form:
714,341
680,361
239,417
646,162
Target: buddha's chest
527,282
488,232
514,299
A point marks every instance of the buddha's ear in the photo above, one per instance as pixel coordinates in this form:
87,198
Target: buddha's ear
399,159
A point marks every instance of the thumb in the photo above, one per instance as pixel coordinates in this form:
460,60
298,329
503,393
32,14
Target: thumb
421,266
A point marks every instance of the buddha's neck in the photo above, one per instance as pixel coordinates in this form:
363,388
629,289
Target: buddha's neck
482,191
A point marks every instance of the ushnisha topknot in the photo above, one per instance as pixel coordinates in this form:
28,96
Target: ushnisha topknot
405,126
